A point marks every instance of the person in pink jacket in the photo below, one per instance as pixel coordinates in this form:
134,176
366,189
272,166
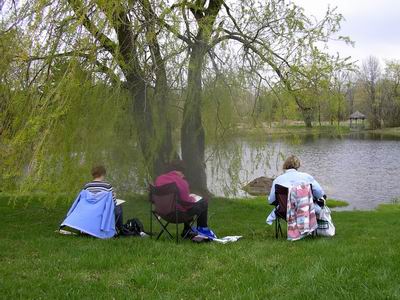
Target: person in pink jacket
194,204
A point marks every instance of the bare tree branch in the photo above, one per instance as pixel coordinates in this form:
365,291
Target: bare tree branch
104,40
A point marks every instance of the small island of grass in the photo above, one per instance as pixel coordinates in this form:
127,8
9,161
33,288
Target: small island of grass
336,203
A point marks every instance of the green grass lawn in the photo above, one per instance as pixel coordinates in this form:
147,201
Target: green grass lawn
361,262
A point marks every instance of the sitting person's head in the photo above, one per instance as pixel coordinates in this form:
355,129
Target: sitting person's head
292,162
99,173
176,165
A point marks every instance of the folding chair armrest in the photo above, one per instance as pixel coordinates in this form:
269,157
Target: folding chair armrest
321,201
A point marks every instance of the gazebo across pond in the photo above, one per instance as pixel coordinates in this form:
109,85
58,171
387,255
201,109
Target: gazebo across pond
355,117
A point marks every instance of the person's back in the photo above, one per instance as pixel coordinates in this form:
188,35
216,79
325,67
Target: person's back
292,177
93,214
189,204
175,176
97,186
94,197
301,222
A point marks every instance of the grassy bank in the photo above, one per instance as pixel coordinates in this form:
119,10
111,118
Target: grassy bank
361,262
395,131
291,128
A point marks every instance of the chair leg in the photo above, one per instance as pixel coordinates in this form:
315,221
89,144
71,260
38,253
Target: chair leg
151,221
177,231
280,228
159,234
164,229
276,228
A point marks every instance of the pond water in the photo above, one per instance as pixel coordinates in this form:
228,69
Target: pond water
360,168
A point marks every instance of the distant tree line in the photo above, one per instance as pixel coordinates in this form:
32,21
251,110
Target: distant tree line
369,88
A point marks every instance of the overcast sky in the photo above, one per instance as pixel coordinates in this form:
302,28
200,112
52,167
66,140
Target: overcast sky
374,26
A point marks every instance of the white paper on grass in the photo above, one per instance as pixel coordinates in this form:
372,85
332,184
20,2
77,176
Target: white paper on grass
228,239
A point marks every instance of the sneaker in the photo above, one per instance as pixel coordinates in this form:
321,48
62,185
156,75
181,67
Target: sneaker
207,232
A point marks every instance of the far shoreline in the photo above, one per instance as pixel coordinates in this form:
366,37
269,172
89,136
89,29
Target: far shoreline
290,128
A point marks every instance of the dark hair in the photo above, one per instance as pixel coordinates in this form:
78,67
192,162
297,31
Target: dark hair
292,162
176,165
98,171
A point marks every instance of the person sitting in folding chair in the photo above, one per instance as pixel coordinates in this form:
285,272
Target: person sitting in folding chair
291,177
95,211
194,204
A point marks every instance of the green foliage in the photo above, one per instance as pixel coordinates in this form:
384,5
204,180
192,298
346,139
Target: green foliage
60,134
219,114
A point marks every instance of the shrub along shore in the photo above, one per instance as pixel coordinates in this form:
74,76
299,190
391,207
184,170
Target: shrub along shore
360,262
298,128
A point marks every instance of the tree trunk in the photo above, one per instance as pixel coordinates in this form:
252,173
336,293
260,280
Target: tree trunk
307,117
319,113
165,149
375,120
192,131
161,121
154,139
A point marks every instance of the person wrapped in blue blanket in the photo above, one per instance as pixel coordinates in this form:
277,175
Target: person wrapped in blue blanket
95,211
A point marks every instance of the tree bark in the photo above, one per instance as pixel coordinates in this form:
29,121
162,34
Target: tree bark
152,125
192,131
163,131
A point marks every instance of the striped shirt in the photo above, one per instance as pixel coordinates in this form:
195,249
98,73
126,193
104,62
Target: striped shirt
100,186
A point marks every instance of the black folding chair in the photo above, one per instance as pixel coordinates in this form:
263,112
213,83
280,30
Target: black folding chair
164,202
281,198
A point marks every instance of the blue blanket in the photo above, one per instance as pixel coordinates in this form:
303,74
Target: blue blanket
92,213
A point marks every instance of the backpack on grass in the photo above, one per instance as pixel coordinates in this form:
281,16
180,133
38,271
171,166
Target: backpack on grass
132,227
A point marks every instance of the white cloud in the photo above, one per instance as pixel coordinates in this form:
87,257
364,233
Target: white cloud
373,25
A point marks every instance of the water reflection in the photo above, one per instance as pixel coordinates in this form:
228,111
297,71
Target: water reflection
361,168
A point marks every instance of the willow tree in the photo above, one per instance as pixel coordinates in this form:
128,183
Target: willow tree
286,46
119,40
273,34
204,14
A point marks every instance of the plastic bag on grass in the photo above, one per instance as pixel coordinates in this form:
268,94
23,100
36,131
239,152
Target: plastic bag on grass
325,224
